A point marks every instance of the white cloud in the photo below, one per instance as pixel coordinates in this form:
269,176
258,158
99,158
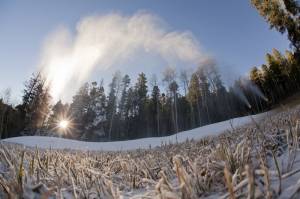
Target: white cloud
102,41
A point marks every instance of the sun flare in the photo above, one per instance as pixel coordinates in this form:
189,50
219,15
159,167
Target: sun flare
63,124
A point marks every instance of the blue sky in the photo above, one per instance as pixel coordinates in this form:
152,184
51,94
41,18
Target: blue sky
231,31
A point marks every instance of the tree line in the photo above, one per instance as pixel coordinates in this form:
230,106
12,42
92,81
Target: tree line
181,100
148,107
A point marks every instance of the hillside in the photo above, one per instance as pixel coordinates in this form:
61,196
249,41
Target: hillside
144,143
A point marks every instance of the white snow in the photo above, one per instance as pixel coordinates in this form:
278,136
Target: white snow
144,143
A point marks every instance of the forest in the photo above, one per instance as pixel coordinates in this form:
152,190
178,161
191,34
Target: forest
152,106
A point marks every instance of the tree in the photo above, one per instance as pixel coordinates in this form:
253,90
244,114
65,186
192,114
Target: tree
155,104
284,16
193,96
97,101
79,109
124,96
4,108
255,76
112,102
12,121
170,79
174,89
277,78
130,112
294,71
36,103
204,90
184,77
218,95
59,112
100,104
141,90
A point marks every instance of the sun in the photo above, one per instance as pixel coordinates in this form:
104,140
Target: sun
63,124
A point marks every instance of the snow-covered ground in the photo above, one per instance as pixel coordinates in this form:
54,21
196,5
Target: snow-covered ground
144,143
261,159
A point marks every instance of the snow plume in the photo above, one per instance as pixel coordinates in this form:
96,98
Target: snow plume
250,86
100,42
240,94
253,88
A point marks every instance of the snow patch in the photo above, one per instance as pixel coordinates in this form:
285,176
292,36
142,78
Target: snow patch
144,143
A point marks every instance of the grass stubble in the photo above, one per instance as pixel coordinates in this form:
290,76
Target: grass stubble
257,160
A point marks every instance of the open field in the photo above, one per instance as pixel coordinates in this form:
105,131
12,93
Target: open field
150,100
258,159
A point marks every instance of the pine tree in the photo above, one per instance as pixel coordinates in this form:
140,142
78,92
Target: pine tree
93,105
79,109
194,98
4,109
100,105
156,106
58,112
284,16
170,79
112,103
204,90
294,70
141,90
174,89
124,96
218,97
36,103
130,113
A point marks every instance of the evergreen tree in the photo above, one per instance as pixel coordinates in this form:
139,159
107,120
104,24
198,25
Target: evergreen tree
130,113
219,100
97,102
170,79
284,16
36,104
194,98
4,109
141,90
124,96
79,109
155,108
205,92
173,87
112,102
59,112
100,105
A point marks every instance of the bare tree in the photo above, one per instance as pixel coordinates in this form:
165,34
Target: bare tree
184,77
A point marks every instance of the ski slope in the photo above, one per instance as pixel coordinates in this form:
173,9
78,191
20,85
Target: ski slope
144,143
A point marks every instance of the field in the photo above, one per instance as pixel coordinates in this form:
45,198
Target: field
46,142
256,160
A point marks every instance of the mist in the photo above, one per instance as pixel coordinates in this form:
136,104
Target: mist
99,42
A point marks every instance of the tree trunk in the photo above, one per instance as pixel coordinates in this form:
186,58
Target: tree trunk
157,117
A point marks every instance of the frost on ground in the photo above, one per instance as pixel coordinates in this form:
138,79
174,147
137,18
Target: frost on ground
256,160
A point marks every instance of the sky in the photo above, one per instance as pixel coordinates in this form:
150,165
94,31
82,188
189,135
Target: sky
64,39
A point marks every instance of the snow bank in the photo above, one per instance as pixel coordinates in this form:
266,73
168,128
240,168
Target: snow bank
144,143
